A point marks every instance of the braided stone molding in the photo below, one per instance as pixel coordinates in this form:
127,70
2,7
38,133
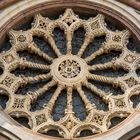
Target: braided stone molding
69,72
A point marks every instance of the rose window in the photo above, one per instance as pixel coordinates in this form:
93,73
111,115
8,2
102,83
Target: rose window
75,90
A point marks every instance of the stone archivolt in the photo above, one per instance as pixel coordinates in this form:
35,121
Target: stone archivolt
69,72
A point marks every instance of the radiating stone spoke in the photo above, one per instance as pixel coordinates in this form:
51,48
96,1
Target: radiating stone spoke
86,101
100,93
84,46
69,42
107,65
116,81
54,98
26,64
26,80
69,100
95,54
33,48
41,91
53,45
114,64
105,48
104,79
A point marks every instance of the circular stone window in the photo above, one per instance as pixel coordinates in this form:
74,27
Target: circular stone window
71,76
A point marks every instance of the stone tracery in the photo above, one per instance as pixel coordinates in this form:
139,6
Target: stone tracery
68,127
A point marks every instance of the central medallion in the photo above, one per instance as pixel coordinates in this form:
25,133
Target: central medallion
69,69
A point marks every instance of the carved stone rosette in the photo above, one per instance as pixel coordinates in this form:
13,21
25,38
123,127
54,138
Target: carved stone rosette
69,72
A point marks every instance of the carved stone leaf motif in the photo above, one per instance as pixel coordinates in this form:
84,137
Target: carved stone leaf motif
8,58
131,82
18,103
98,119
7,81
69,72
40,119
130,58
